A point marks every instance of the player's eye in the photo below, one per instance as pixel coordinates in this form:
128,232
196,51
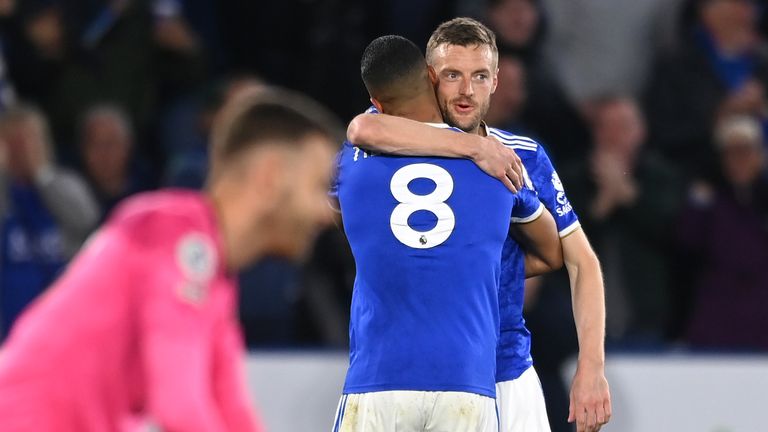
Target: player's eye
481,77
452,76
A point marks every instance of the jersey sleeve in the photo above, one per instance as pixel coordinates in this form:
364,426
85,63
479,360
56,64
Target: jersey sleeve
333,191
176,327
527,207
552,193
338,177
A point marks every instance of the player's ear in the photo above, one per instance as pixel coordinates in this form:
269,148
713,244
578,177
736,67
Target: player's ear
377,104
432,74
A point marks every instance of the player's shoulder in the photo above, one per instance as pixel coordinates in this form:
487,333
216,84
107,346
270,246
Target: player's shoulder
517,142
172,232
163,204
162,214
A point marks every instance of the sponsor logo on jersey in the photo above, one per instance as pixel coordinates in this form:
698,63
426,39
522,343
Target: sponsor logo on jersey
196,258
558,185
564,206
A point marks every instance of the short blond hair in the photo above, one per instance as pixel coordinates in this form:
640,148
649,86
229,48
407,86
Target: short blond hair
462,32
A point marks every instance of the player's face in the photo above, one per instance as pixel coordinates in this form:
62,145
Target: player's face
304,210
465,79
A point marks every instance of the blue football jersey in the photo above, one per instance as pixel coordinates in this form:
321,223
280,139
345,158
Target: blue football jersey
427,237
514,350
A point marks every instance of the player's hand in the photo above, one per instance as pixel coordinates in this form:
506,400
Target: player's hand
501,162
590,405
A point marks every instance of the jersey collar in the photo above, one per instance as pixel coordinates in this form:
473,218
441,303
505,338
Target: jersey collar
484,128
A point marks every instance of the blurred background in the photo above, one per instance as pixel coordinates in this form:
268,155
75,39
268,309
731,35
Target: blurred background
655,113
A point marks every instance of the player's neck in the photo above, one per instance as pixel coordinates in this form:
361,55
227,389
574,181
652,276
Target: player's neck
240,240
421,109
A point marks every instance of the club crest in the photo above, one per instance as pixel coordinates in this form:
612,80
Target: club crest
196,258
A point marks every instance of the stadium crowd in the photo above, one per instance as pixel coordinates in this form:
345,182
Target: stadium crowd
655,114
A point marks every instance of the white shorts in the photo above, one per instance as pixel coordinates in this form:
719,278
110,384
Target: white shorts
521,404
416,411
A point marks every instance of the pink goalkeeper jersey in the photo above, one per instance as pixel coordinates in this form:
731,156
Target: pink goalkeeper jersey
142,323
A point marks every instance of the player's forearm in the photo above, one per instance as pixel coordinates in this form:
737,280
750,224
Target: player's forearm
396,135
588,298
589,315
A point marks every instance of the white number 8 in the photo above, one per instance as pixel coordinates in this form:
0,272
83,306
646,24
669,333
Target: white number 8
433,202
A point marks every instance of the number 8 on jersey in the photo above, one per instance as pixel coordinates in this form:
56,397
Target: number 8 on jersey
433,202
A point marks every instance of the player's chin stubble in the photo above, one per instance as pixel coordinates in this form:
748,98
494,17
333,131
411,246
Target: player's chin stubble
467,125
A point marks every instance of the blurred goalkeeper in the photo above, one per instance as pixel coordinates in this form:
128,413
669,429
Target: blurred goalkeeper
143,323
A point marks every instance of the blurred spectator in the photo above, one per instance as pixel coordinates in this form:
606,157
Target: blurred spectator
726,230
66,56
86,52
627,199
516,23
602,47
509,99
106,150
30,32
45,31
187,126
471,8
203,22
171,30
45,212
416,20
7,91
289,38
720,68
520,30
7,7
181,62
